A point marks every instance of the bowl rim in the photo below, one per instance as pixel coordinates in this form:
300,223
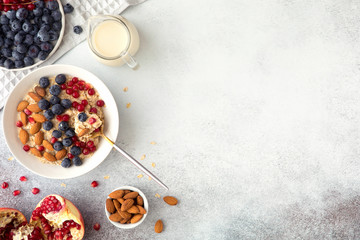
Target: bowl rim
131,225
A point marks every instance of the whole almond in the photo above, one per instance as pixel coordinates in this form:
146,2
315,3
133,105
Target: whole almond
140,200
35,128
121,200
24,136
123,221
159,226
115,217
127,204
125,215
36,152
34,108
134,210
22,105
136,218
110,206
170,200
49,157
128,221
117,194
39,118
116,204
48,145
39,137
35,96
23,118
40,91
141,209
83,132
131,195
127,191
61,154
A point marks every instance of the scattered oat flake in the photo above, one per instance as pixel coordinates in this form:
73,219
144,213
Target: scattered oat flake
125,89
153,143
157,195
63,185
107,177
128,105
150,178
153,164
11,158
143,157
140,176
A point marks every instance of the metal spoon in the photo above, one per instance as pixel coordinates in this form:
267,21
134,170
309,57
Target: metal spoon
128,3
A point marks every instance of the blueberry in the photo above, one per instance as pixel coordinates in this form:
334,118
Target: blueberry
49,114
57,26
19,37
40,4
56,15
10,35
37,40
29,40
58,146
9,64
34,31
46,11
37,21
2,60
17,55
29,61
6,52
33,51
57,109
78,29
52,5
67,142
63,126
44,82
19,64
21,48
15,25
2,42
5,28
54,89
68,8
60,79
43,55
11,14
22,14
66,103
4,20
47,125
70,133
75,150
57,134
43,35
31,15
77,161
44,104
8,43
38,12
66,163
47,19
54,100
46,46
82,117
45,27
53,35
27,26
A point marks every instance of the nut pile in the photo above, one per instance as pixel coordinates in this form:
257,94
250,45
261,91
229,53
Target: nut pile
125,206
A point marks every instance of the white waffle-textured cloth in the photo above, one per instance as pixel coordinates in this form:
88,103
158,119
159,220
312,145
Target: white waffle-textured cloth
82,11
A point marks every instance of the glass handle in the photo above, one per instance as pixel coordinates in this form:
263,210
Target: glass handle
130,61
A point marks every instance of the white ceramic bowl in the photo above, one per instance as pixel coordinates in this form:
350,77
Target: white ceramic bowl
146,206
29,161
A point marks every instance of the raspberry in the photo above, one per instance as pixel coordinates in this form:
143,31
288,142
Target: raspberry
35,191
69,91
23,179
100,103
85,151
53,140
80,108
92,120
4,185
75,88
16,192
93,110
65,117
74,79
31,120
96,227
76,94
26,148
19,124
41,148
63,86
59,118
94,184
84,102
74,104
90,144
27,111
91,91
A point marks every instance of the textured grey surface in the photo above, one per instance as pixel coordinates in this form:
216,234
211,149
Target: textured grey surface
254,106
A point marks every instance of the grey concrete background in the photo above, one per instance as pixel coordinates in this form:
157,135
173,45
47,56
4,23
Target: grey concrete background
254,106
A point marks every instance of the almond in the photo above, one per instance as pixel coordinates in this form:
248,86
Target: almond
83,132
23,118
131,195
140,200
61,154
141,209
39,118
34,108
159,226
125,215
40,91
35,96
127,191
22,105
129,221
121,200
123,221
35,128
115,217
110,206
117,194
127,204
116,204
170,200
24,136
48,145
39,137
49,157
36,152
134,210
136,218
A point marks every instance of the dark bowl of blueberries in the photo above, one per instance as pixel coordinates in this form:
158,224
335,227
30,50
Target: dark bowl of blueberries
30,32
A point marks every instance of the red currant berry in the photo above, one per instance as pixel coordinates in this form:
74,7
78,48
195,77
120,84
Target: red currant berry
7,8
74,79
70,156
93,149
97,227
63,86
26,148
76,94
74,104
65,117
91,91
87,86
74,138
90,144
85,151
78,144
75,88
31,7
59,118
70,84
82,144
84,102
100,103
81,87
80,107
69,91
19,124
93,110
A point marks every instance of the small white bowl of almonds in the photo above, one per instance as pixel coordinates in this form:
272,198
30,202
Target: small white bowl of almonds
126,207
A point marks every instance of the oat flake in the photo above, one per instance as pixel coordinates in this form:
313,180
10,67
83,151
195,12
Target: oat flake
140,176
153,164
125,89
157,195
107,177
11,158
128,105
63,185
143,157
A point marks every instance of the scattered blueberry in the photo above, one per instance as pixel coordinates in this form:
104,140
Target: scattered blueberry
56,134
60,79
56,15
70,133
54,89
67,142
19,64
82,117
49,114
44,104
28,61
46,46
57,109
68,8
9,64
75,150
21,48
78,29
66,163
63,126
55,100
52,5
22,14
58,146
66,103
17,56
43,55
47,125
77,161
44,82
11,14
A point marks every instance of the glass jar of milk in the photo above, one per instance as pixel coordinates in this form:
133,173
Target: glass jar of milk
113,40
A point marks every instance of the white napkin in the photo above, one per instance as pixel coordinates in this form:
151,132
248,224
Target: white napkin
82,11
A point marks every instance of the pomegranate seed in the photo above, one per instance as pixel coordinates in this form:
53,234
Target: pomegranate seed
74,138
92,120
75,88
70,84
92,149
19,124
82,144
41,148
74,79
91,91
80,107
69,91
4,185
97,130
23,179
90,144
31,7
94,184
85,151
16,192
66,117
96,227
84,102
27,111
70,156
63,86
77,143
75,104
93,110
26,148
100,103
35,190
31,120
53,140
59,118
81,87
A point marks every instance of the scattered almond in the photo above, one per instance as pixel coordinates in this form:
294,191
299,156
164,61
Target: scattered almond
34,108
35,152
115,217
134,209
48,145
131,195
24,136
61,154
110,206
22,105
39,137
35,96
39,118
159,226
170,200
141,209
35,128
127,204
139,200
136,218
49,157
117,194
40,91
23,118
